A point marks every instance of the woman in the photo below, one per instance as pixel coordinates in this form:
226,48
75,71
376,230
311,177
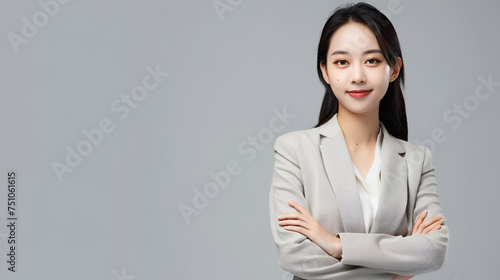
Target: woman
351,198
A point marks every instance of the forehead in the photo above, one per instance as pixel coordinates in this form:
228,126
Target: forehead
353,37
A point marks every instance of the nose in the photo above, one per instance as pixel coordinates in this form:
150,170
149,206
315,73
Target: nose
358,74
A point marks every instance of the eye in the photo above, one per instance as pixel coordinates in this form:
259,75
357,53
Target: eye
372,61
341,62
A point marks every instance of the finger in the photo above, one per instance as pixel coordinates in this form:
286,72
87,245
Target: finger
402,277
290,216
431,229
294,216
418,221
300,230
299,208
435,226
297,223
430,222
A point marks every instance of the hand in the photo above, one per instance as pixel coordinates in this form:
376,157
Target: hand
428,226
422,228
303,223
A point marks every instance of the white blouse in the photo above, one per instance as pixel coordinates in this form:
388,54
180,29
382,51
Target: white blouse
369,188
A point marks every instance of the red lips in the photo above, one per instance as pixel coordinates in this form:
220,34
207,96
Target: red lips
359,93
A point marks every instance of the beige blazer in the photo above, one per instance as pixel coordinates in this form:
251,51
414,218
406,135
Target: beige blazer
313,168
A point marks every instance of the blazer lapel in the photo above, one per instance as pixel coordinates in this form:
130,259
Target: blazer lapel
340,171
394,186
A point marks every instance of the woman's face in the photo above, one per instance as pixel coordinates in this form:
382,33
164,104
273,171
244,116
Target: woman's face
356,69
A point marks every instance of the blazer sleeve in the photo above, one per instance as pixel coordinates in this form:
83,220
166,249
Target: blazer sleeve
409,255
296,253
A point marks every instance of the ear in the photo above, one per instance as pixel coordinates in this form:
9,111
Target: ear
324,72
395,69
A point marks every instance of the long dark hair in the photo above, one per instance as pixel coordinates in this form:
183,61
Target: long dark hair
392,111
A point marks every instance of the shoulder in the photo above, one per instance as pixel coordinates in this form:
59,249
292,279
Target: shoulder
416,155
299,147
298,139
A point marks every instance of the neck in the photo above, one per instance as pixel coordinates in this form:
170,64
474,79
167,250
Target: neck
360,130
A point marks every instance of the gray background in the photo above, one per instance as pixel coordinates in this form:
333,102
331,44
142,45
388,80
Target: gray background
116,215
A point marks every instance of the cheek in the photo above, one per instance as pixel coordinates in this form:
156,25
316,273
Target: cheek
337,77
385,74
381,78
338,81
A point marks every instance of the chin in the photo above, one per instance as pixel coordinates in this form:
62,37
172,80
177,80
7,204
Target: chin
359,109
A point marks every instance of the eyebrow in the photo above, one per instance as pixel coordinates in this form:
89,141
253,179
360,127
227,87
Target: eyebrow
366,52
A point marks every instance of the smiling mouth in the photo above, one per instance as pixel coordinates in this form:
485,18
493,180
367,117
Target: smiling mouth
359,93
